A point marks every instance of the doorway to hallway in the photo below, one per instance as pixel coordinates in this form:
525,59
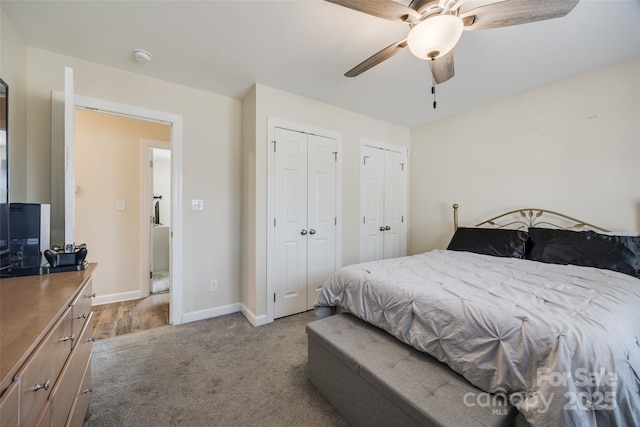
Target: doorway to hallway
111,209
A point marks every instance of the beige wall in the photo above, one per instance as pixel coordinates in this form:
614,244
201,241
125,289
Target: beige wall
108,169
270,102
572,146
13,70
211,164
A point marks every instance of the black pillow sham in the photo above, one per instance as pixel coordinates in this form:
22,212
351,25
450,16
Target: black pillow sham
586,249
489,241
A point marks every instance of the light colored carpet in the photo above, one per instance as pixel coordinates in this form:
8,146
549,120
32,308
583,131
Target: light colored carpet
216,372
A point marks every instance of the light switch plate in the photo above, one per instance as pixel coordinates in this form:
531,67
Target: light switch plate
121,205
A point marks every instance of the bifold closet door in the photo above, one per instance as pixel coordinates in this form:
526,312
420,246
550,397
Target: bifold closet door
290,233
394,205
321,214
383,188
372,204
305,218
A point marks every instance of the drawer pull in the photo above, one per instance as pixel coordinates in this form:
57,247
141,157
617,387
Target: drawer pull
81,316
67,338
89,390
93,295
45,386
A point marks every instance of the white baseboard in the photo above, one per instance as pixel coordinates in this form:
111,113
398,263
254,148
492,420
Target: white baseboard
124,296
255,321
194,316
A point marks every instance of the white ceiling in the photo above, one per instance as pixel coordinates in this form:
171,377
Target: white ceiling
305,47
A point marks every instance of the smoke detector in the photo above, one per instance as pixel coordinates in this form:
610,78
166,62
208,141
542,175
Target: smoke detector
141,55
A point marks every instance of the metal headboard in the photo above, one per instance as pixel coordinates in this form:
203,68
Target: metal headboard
531,217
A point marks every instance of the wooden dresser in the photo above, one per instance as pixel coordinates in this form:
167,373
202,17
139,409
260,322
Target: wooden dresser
45,349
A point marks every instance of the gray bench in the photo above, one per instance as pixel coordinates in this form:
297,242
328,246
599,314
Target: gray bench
373,379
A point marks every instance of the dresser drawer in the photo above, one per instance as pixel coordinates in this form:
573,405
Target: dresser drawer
67,386
81,308
42,369
80,408
44,419
9,406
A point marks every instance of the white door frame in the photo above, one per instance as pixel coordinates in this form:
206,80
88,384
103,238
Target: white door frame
272,124
62,162
175,121
146,180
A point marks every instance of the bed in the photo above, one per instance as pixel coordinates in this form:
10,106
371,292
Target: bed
539,313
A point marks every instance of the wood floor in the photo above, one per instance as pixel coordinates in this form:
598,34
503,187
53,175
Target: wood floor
120,318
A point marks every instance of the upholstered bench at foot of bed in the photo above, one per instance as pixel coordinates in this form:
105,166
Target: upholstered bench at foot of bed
373,379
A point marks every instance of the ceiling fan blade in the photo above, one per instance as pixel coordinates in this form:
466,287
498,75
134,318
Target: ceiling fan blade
386,9
515,12
442,68
374,60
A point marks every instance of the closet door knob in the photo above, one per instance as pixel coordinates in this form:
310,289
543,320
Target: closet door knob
303,232
387,228
382,228
312,231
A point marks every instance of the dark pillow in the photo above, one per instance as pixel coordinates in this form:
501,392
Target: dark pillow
490,241
586,249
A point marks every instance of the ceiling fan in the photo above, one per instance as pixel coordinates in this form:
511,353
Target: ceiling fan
437,25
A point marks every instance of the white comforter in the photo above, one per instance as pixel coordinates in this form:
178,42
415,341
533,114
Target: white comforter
562,342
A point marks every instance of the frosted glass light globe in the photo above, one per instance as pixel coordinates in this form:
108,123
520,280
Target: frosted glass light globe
435,36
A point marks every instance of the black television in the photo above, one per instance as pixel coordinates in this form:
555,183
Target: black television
5,258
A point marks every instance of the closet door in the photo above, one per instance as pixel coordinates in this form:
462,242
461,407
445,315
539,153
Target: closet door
304,198
321,214
383,188
290,233
372,204
394,205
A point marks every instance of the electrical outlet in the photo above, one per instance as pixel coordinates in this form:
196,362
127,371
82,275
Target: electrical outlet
213,285
197,205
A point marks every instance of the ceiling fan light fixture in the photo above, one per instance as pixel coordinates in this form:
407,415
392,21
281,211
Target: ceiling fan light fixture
435,36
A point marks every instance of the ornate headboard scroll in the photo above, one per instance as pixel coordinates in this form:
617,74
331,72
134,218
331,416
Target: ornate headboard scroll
523,219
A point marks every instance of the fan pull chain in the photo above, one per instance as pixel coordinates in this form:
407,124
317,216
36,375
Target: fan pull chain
433,92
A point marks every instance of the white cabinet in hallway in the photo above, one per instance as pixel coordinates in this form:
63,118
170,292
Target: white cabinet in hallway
304,218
